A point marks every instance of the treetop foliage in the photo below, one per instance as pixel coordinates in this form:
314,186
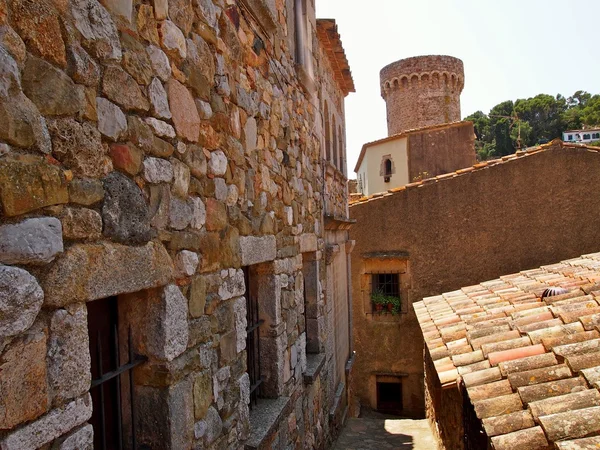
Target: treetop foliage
537,120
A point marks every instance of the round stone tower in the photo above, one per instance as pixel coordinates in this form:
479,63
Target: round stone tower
422,91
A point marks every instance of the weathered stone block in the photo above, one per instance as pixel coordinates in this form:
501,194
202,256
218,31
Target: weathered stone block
86,191
159,103
27,184
112,123
97,29
21,299
38,24
186,263
93,271
121,8
307,243
160,62
50,89
82,439
157,170
217,164
21,124
256,250
162,323
127,158
172,40
228,347
81,67
23,388
183,109
125,212
33,241
232,284
197,296
161,128
180,214
81,223
166,416
79,147
49,427
121,88
203,394
216,215
69,366
181,179
160,201
241,323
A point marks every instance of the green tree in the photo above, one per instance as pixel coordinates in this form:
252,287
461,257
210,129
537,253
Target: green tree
590,113
500,126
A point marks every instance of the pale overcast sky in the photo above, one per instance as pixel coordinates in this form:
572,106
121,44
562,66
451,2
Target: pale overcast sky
511,49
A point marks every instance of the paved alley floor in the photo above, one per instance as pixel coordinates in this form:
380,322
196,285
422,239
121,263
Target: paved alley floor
386,434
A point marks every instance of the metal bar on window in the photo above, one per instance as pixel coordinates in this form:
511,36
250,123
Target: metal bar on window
115,342
102,412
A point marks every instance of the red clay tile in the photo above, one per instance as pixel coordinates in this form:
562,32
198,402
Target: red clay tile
516,353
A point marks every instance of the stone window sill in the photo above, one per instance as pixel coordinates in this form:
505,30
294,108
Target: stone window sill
264,418
314,364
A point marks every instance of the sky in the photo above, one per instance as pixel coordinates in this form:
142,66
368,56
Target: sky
511,49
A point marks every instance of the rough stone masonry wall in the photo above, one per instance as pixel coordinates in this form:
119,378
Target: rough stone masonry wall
148,152
456,232
422,91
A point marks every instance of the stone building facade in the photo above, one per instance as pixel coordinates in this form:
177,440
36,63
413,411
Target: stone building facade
174,251
422,91
455,230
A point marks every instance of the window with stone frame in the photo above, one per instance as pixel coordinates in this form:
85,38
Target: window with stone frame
386,272
252,337
303,54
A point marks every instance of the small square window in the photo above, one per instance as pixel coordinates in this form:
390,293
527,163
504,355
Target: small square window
386,283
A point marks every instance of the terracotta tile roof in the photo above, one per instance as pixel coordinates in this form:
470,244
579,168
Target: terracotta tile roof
530,365
405,133
479,166
331,41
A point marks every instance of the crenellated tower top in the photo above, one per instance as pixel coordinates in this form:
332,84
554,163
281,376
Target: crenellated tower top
422,91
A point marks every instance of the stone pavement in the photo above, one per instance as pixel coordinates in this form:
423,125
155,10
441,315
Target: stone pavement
386,434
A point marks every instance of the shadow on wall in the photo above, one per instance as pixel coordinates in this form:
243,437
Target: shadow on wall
386,434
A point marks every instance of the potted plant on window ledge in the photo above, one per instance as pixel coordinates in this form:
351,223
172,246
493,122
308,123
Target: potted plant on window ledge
383,301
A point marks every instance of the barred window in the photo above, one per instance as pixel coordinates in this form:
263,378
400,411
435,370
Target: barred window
252,338
386,283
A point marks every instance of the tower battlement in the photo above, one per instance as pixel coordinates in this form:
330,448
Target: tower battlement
422,91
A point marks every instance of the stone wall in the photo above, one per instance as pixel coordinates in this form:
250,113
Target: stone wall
149,150
435,152
444,409
479,224
422,91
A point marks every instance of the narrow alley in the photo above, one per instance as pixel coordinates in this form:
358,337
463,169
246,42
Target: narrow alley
380,432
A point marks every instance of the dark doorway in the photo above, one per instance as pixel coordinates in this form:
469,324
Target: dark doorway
112,360
389,397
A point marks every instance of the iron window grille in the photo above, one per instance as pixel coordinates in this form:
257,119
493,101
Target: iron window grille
387,283
252,340
111,380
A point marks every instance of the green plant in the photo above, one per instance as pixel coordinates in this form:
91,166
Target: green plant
379,298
